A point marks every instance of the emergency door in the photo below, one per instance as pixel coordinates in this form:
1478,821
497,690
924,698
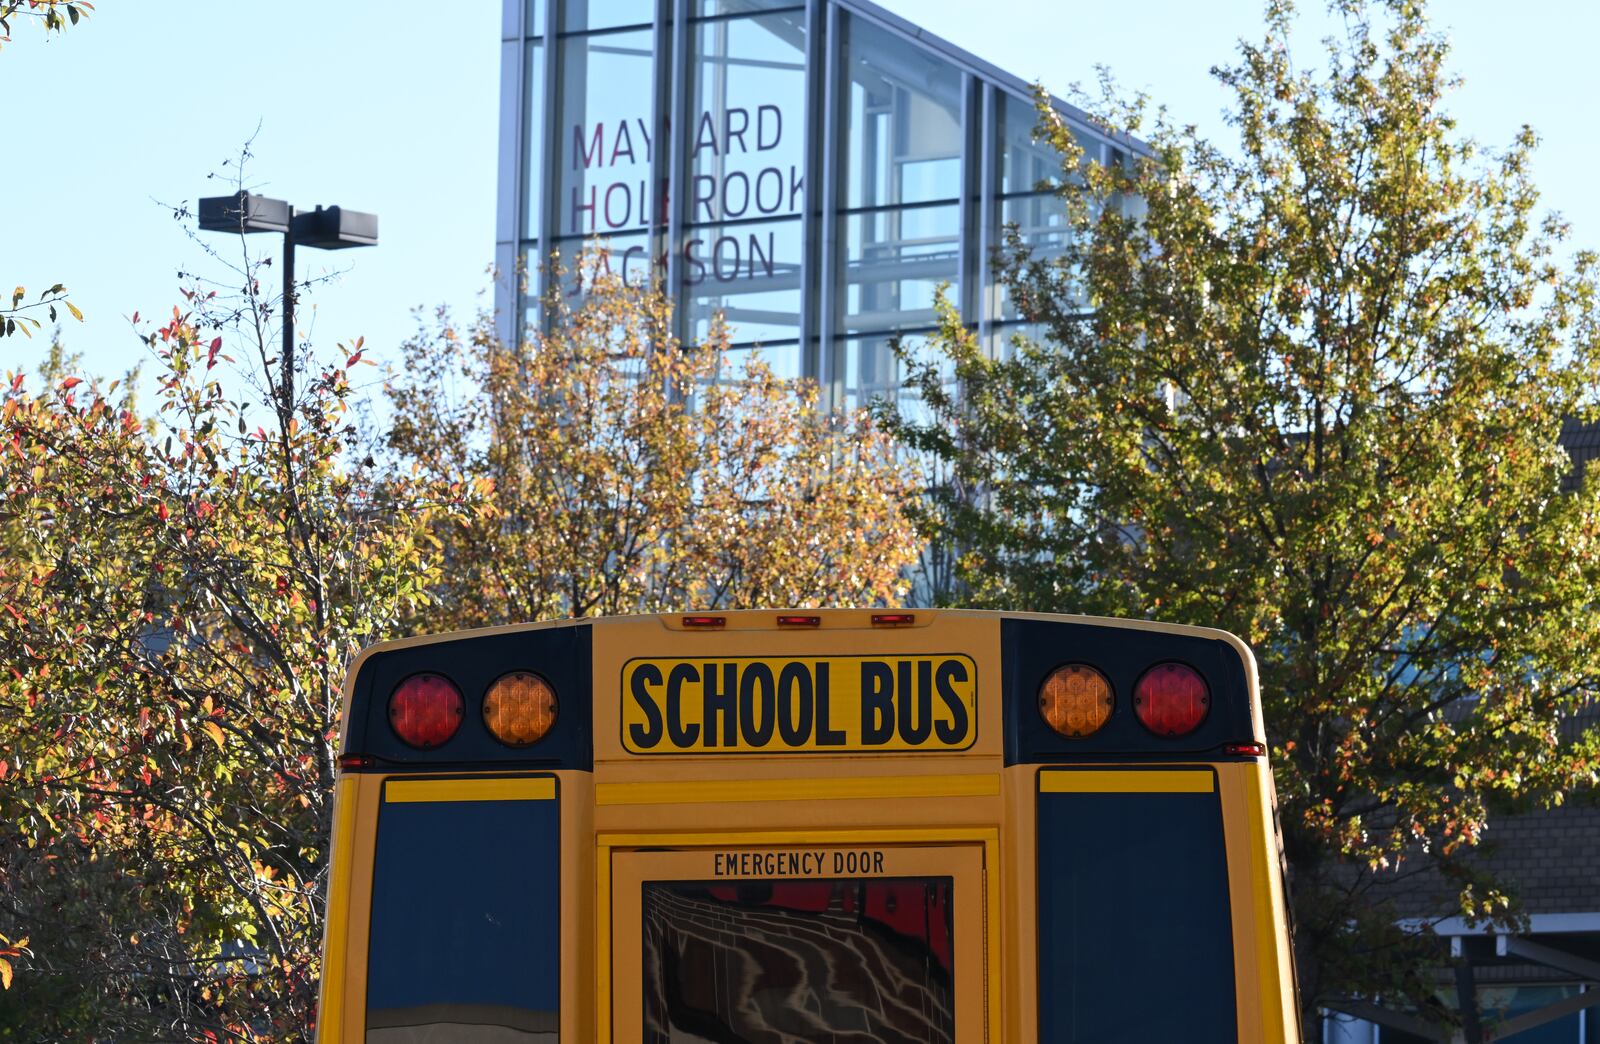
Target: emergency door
798,943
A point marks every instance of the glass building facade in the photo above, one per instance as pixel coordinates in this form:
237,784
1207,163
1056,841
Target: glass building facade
812,170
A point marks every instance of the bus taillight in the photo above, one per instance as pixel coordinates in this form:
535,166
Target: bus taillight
425,710
519,709
1171,699
1075,699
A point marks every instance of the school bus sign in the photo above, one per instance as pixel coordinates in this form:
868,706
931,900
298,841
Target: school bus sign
832,704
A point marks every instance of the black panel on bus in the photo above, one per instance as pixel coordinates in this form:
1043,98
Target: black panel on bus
473,662
1031,649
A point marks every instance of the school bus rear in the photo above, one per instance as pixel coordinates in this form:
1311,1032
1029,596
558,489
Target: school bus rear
808,825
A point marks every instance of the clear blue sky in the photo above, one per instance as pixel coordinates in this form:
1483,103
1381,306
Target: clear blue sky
392,108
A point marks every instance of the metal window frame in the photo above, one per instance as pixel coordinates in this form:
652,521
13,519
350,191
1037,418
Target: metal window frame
549,150
811,159
510,198
829,365
988,213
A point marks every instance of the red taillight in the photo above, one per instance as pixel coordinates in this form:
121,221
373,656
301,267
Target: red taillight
1171,699
425,710
1245,750
356,762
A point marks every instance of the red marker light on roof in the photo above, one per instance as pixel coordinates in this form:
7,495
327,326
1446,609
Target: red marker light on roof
799,621
425,710
1171,699
893,619
704,621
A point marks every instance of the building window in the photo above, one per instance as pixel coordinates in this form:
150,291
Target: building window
902,124
900,227
744,157
587,16
605,139
533,138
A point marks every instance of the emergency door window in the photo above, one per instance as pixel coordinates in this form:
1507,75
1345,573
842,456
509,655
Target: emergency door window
801,944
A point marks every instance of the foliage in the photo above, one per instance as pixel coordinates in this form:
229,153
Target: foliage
53,16
181,590
179,596
611,469
1309,389
15,319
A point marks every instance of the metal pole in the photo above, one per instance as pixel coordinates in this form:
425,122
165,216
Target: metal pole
288,315
1467,1002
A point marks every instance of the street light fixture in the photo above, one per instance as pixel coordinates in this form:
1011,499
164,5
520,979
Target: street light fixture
331,228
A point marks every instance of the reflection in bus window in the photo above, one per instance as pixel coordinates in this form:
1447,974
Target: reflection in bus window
868,959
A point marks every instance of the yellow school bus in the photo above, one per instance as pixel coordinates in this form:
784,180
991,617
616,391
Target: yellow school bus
807,825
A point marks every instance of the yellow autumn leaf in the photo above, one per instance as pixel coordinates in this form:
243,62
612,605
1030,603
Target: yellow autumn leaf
214,730
5,973
74,310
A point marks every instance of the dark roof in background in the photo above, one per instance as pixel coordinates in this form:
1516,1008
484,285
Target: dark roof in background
1582,443
1581,440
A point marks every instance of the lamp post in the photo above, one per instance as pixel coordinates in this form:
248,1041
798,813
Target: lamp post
330,228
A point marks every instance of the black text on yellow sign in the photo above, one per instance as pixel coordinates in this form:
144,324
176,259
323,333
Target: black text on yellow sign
828,704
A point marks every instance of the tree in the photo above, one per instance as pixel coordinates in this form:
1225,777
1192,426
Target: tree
182,588
1308,388
611,469
180,594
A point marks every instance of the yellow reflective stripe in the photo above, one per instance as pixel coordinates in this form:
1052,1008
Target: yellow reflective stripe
405,790
1128,781
336,929
1270,928
691,792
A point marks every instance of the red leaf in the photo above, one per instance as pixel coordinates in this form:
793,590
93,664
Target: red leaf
161,511
16,383
71,383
